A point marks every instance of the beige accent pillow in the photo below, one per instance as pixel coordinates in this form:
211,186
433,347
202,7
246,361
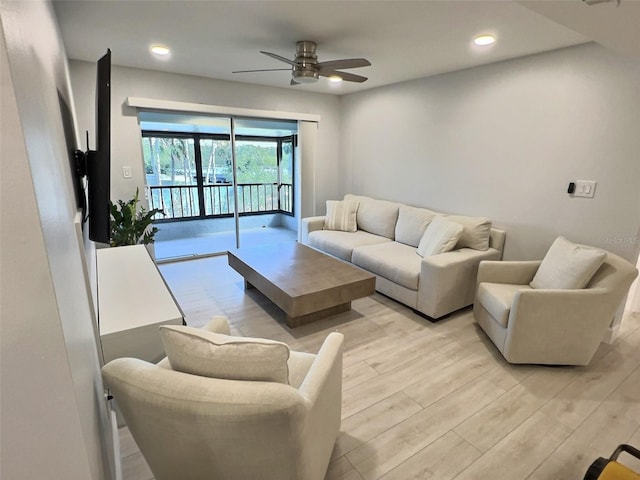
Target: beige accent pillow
476,231
440,236
568,265
412,222
208,354
341,215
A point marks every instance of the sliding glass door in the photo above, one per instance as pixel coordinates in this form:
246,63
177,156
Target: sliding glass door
263,197
189,179
219,191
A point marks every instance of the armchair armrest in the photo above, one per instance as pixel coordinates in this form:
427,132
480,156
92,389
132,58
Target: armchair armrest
218,324
308,225
515,273
448,280
558,326
327,364
322,394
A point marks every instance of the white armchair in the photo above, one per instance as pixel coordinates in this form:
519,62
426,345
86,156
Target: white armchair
548,326
190,427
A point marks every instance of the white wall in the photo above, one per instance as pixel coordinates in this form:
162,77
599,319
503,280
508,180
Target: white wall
53,410
504,141
126,146
633,301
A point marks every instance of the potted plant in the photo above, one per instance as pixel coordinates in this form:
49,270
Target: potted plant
130,224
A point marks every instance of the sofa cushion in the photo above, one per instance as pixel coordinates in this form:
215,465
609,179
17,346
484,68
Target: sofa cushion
341,244
199,352
376,216
341,216
412,222
440,236
568,265
497,299
476,231
394,261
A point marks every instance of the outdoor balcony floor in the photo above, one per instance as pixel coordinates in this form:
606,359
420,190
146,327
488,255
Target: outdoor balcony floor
213,243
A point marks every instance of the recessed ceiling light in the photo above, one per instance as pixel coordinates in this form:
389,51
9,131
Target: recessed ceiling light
483,40
160,50
335,79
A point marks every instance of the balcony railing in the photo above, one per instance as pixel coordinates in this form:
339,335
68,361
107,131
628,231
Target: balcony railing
183,201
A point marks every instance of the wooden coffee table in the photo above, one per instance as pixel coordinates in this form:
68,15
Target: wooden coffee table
305,283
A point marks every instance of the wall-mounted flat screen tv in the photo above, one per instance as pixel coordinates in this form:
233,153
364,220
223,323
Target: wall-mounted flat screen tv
94,196
99,160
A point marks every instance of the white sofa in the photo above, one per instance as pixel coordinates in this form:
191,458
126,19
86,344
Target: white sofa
385,243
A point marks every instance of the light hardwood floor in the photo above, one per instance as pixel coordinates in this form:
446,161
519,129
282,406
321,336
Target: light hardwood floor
435,401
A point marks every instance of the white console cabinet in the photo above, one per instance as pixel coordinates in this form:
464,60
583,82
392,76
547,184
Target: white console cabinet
133,301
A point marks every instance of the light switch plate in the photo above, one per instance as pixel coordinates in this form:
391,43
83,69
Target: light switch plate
126,172
585,188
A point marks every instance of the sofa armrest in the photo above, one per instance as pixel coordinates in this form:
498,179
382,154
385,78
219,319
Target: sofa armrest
448,280
496,240
515,273
558,326
308,225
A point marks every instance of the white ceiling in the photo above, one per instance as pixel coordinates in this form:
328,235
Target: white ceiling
403,40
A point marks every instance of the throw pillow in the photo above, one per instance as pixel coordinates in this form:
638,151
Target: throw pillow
412,222
341,215
568,265
476,231
440,236
208,354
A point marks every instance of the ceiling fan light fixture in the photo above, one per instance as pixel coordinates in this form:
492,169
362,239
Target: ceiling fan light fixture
161,50
335,79
305,76
483,40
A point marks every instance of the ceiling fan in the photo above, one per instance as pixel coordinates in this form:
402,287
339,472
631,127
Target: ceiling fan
305,68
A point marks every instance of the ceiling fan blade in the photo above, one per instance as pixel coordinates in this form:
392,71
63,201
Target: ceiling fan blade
293,82
278,57
346,63
347,77
266,70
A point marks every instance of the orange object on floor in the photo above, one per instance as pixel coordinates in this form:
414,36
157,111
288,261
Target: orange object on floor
611,469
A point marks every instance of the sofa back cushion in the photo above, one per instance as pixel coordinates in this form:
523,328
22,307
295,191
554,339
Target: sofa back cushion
376,216
412,222
475,232
207,354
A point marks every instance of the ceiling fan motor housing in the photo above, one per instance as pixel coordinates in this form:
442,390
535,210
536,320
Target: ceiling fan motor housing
306,58
306,53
